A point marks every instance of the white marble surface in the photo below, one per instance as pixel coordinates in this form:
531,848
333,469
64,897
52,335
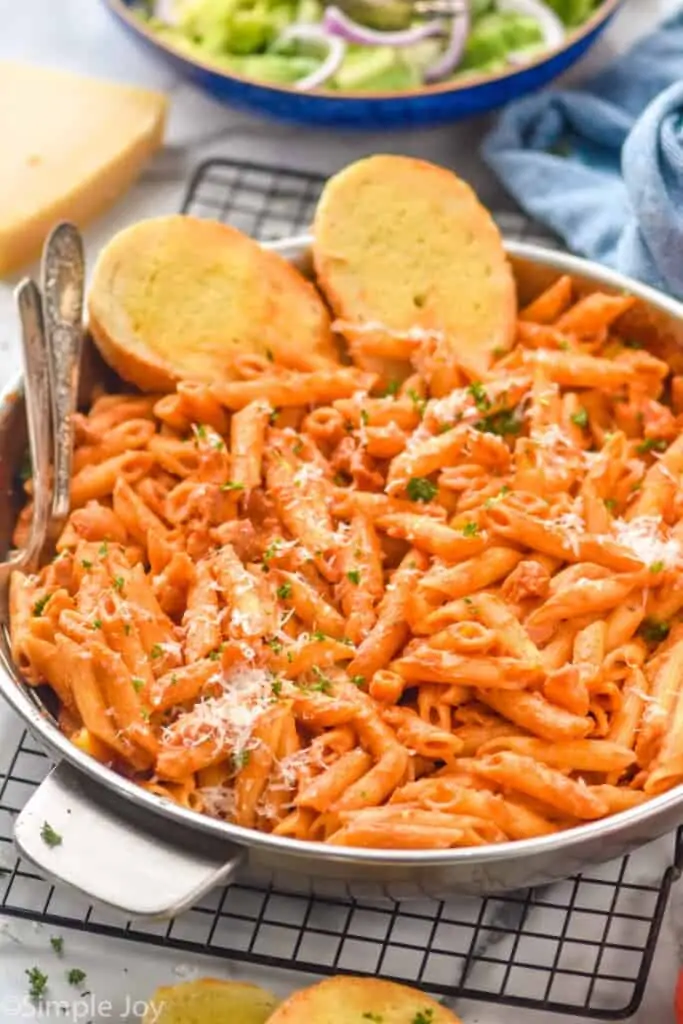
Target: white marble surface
78,34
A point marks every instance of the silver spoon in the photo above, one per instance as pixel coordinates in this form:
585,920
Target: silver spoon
37,404
63,276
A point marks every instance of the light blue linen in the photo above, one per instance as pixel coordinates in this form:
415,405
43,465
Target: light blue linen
603,166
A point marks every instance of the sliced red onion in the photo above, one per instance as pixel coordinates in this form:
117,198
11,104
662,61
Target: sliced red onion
336,51
447,61
554,32
340,25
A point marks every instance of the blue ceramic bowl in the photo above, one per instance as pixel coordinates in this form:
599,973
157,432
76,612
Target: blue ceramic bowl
430,105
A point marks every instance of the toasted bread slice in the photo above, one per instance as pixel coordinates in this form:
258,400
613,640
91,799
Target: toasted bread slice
179,298
404,244
358,1000
210,1001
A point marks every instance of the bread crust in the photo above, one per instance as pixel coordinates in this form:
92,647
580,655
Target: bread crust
404,243
210,1001
349,1000
179,298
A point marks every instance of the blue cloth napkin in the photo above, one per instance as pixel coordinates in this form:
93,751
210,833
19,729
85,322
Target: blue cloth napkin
603,166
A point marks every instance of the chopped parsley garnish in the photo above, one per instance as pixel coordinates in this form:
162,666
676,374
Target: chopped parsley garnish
156,651
200,430
563,346
423,1016
376,1018
276,687
274,644
104,549
364,417
96,624
318,634
284,591
580,418
353,576
240,759
391,388
468,600
269,355
49,836
272,549
420,488
218,444
657,567
419,403
37,983
500,423
445,427
654,631
481,399
470,530
497,497
358,680
631,343
76,976
138,683
610,504
230,485
39,606
86,563
118,583
298,446
127,628
216,653
274,416
321,685
174,679
651,444
57,943
341,479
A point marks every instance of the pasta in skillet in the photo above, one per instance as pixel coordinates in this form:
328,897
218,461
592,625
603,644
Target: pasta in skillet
332,607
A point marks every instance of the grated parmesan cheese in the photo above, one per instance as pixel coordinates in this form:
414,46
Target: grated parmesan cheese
218,801
230,717
649,540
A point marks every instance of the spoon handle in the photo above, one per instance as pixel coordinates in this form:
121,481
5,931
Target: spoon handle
37,401
63,275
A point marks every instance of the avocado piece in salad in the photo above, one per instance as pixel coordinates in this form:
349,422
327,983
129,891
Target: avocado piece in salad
573,12
496,35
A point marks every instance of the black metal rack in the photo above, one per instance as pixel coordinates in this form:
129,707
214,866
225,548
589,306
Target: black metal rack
581,947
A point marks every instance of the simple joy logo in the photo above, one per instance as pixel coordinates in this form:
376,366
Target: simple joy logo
79,1011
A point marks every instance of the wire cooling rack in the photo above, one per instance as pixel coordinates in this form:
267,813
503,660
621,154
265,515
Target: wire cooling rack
582,947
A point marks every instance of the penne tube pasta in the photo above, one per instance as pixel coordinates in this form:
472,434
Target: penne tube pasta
292,388
574,755
247,443
551,787
532,712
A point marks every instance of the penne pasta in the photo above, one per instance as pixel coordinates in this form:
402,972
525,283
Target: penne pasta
386,604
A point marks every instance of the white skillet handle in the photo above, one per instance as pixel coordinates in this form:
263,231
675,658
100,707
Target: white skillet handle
110,860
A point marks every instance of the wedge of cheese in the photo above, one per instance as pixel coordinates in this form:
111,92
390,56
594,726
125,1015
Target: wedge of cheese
70,147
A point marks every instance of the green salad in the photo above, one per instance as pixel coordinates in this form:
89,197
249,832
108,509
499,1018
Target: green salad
365,45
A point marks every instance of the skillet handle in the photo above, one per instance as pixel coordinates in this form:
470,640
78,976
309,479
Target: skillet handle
110,860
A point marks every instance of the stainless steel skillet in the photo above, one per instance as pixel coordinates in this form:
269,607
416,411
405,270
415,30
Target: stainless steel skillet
146,856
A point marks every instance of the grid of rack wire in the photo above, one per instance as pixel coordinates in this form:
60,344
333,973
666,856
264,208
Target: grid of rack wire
583,946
